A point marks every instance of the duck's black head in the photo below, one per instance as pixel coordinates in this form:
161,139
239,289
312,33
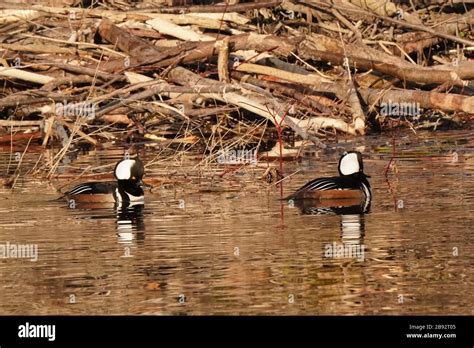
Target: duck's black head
130,172
351,163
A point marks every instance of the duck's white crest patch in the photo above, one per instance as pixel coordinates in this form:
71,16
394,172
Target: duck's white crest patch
349,164
124,169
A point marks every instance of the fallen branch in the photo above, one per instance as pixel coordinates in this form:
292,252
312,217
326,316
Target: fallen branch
17,73
363,57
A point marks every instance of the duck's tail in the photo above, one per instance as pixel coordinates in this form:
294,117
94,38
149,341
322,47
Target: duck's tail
57,199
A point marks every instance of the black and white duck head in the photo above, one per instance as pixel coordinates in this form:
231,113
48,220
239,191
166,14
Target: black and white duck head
351,163
131,170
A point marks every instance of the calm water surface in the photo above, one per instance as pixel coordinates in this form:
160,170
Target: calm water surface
227,245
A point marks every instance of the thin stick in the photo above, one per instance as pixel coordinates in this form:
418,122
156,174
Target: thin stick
19,163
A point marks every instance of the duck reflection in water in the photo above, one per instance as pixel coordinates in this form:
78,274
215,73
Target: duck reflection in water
130,223
351,212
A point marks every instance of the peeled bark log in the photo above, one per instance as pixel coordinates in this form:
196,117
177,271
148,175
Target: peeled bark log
366,58
223,61
308,79
168,28
428,100
20,74
358,116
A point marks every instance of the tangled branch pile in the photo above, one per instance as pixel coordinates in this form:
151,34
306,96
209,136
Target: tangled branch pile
225,74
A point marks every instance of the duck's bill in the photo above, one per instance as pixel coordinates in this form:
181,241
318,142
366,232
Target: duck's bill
142,184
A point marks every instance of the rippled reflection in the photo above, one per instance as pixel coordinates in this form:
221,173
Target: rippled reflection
351,212
130,222
227,245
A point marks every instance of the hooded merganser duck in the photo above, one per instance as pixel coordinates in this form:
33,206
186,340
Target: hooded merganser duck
126,190
351,183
